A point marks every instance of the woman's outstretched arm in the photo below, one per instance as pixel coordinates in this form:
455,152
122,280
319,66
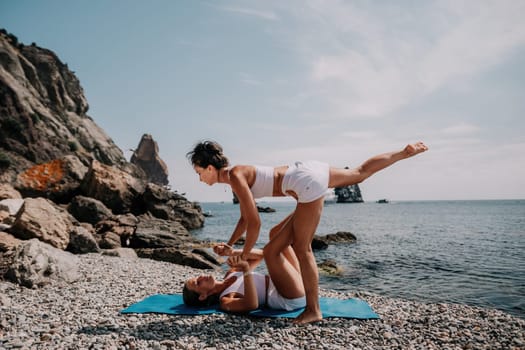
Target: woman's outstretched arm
239,230
249,212
254,257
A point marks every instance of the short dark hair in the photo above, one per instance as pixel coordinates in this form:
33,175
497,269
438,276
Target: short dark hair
191,298
207,153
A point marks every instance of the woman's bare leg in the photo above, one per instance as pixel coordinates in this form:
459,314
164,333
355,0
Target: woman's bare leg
283,268
347,177
288,252
305,221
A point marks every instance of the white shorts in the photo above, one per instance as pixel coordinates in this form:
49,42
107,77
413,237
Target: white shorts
275,300
308,180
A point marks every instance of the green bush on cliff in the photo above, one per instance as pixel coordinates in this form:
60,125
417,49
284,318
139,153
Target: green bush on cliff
35,118
13,39
73,146
5,161
12,125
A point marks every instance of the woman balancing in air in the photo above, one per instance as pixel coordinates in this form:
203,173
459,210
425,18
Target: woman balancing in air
307,182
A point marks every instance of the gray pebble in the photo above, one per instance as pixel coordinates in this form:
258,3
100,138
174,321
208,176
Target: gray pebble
85,315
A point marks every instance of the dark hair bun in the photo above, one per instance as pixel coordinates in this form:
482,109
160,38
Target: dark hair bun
208,153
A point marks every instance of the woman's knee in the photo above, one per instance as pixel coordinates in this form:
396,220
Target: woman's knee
274,230
270,250
303,251
266,251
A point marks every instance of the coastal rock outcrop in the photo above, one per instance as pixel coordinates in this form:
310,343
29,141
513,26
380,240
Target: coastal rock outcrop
349,194
168,205
8,192
42,219
9,209
58,180
115,188
11,205
147,158
8,242
54,156
116,231
36,263
177,256
90,210
261,209
43,112
322,242
82,241
159,233
330,267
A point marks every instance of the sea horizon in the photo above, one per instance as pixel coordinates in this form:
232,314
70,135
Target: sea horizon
458,251
292,200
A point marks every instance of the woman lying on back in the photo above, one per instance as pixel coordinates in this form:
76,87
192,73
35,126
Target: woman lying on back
243,290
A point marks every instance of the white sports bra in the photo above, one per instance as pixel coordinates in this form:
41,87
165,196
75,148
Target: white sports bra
263,185
238,286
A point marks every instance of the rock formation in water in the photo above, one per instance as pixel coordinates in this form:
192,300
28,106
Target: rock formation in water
349,194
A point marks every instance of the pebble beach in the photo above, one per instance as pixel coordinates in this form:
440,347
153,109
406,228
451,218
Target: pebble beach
86,315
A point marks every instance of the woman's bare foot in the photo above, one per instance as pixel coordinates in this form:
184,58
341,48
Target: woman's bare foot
415,148
308,316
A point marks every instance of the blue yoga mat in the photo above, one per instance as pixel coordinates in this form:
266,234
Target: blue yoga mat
173,304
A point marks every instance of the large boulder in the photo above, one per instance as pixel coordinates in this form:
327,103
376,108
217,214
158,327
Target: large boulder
81,241
58,180
147,158
115,188
109,240
322,242
8,192
116,231
12,205
36,264
168,205
8,242
9,209
158,233
330,267
177,256
90,210
44,220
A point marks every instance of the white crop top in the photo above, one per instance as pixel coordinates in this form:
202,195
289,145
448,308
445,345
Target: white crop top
263,185
238,286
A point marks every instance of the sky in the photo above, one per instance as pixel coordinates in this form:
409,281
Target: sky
278,81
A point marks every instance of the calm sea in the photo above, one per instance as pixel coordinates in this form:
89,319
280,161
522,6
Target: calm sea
469,252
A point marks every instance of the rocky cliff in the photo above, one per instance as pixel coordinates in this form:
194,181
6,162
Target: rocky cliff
64,181
43,112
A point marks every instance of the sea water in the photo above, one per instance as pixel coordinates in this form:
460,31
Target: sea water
469,252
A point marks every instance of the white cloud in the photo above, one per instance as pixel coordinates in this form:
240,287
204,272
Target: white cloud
483,35
266,15
249,80
370,62
461,129
361,135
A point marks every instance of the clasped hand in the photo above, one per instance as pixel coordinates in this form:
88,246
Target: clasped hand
223,249
236,262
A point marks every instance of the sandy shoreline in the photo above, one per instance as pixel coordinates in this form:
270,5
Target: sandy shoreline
85,315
